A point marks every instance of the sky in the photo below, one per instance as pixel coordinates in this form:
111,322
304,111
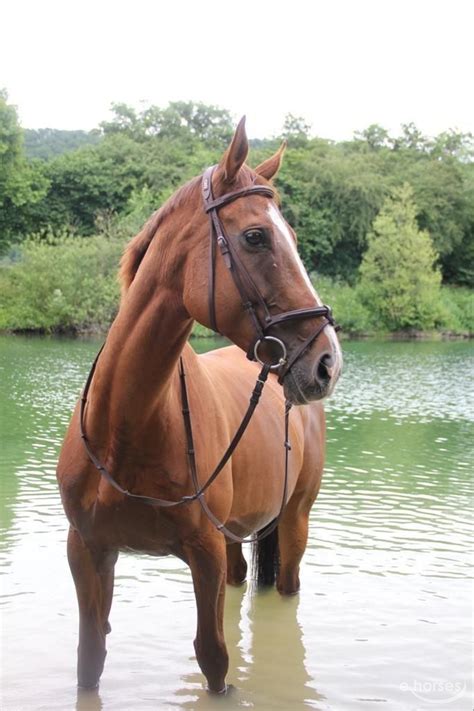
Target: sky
341,64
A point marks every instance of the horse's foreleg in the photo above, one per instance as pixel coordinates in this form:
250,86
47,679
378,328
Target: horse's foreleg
236,565
93,576
207,560
292,539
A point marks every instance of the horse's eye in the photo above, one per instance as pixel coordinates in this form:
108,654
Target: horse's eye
256,238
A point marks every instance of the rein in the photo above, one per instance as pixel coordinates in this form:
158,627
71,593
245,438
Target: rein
240,275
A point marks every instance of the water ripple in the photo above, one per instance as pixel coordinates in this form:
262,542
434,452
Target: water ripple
386,578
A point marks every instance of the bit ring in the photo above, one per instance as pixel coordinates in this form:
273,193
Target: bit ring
283,358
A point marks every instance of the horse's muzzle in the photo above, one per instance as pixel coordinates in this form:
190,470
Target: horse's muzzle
306,382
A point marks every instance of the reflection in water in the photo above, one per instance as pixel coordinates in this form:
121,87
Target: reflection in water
267,655
386,585
277,654
88,700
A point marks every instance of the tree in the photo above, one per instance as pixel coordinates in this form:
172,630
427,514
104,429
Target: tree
21,183
331,198
398,278
296,130
47,143
412,138
184,121
331,192
454,144
88,182
374,136
126,121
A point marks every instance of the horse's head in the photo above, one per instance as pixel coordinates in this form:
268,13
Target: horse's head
244,276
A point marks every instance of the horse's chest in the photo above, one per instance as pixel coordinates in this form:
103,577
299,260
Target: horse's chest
130,526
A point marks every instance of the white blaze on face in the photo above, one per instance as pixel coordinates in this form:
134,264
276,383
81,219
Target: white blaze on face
283,230
285,233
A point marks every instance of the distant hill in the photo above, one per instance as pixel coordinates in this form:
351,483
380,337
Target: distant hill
47,143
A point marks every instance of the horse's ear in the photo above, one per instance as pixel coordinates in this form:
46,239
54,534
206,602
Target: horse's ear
270,167
236,154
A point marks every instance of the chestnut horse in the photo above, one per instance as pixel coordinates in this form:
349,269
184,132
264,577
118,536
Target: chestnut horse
133,415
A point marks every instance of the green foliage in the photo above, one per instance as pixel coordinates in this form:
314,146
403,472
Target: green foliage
87,182
296,130
398,279
46,143
180,121
457,309
10,132
331,192
347,303
374,136
61,284
103,180
141,204
21,183
330,198
441,173
201,331
357,313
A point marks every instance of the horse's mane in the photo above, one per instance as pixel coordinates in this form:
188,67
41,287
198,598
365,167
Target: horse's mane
138,245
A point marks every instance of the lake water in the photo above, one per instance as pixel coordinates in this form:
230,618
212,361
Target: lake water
383,620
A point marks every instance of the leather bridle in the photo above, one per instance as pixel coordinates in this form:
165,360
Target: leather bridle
252,302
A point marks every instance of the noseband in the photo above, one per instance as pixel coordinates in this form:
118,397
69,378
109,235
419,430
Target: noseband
252,300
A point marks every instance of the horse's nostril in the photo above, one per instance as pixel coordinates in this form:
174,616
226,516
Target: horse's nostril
327,359
324,369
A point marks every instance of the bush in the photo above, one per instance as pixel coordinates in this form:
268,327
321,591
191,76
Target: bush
351,307
70,283
398,280
347,304
457,308
62,283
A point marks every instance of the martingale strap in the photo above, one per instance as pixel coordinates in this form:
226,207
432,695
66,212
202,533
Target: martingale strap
199,491
193,466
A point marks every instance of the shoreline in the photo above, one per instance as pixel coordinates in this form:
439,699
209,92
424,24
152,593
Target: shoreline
344,335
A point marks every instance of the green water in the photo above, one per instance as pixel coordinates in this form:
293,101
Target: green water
383,619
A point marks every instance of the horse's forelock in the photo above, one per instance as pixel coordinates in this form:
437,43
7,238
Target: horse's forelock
250,177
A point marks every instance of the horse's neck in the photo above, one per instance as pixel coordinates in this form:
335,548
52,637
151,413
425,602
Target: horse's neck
135,370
